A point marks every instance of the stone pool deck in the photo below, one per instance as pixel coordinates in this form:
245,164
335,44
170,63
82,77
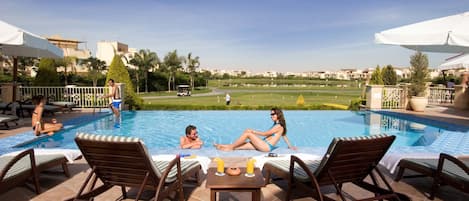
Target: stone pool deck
56,186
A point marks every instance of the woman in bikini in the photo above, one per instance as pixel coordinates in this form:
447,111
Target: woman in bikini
39,126
267,144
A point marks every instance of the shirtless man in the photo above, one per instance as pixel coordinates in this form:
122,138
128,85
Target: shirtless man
191,140
115,96
39,126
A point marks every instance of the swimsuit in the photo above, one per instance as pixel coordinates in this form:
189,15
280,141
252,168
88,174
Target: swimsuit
271,147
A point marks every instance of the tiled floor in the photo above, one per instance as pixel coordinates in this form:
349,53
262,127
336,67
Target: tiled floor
58,187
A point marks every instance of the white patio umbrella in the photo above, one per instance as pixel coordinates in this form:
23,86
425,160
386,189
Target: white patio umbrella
446,35
459,61
16,42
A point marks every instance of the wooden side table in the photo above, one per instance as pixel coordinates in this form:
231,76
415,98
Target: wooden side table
238,183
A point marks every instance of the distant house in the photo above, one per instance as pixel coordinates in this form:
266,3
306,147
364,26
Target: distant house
70,49
108,49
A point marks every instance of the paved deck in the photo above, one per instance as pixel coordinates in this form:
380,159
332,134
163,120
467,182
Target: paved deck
56,186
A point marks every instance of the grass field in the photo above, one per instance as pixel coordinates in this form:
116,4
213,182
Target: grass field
257,99
173,93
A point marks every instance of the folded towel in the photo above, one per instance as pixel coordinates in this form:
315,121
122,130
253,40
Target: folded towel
70,154
262,159
203,160
391,160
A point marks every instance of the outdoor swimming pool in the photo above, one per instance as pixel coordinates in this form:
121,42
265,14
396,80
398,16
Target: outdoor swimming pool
160,130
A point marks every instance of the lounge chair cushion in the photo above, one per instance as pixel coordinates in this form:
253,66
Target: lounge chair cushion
300,174
24,164
186,166
8,118
449,168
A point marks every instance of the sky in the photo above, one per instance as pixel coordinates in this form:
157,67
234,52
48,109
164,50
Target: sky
253,35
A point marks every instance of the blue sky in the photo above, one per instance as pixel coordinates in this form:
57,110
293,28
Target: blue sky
280,35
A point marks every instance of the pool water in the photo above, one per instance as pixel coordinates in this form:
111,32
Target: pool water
162,129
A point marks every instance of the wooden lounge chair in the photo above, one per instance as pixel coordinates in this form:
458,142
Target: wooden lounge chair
16,170
346,160
445,170
125,162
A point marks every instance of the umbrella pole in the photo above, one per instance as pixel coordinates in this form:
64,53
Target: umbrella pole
15,77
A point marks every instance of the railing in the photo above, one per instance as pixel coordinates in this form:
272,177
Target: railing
84,97
440,95
393,97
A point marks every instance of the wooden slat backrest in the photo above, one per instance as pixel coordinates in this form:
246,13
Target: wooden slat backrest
349,160
119,161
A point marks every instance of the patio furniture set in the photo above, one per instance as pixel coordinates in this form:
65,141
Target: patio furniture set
125,162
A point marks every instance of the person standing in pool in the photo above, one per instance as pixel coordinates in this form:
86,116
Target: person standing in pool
115,96
266,144
191,140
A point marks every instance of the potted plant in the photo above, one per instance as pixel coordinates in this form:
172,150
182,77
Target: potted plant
419,74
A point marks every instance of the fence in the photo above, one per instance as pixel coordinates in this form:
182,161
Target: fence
393,97
441,95
85,97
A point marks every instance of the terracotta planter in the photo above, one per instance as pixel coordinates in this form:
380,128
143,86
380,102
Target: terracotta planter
418,104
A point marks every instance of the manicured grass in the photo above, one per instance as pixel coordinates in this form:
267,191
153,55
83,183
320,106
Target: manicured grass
255,100
173,93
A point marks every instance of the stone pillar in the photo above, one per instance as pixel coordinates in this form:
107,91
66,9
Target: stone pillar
7,92
461,97
374,94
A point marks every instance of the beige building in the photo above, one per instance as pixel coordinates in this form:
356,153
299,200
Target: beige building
70,49
106,51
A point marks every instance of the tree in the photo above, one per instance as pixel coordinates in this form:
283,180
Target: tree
389,75
172,62
118,72
66,62
192,65
419,74
144,60
47,73
4,60
376,77
95,68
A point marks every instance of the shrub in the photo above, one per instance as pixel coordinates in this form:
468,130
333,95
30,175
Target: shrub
376,77
47,74
300,101
118,72
419,74
389,75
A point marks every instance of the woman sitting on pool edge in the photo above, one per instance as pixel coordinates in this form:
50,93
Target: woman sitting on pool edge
39,126
267,144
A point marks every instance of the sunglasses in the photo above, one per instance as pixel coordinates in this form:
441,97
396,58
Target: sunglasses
272,114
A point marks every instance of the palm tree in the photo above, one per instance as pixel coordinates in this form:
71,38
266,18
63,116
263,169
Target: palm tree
144,60
192,65
95,67
66,62
172,63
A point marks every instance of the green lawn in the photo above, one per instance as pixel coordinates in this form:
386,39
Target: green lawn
259,99
173,93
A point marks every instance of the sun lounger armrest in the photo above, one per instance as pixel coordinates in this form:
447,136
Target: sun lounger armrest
303,166
176,161
18,157
454,160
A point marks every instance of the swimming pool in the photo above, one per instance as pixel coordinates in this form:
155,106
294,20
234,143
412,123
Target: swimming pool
160,130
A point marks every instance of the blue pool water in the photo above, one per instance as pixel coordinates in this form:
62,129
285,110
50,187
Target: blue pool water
162,129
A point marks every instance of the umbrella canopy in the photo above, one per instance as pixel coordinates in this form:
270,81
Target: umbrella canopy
447,35
18,42
460,61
